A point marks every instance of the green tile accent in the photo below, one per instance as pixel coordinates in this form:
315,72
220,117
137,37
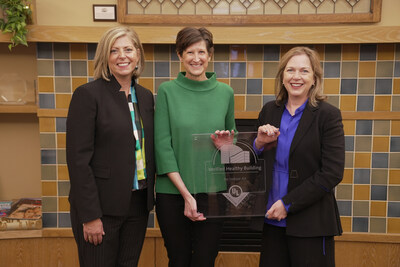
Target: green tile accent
253,103
45,67
377,225
161,52
47,140
363,143
344,192
348,160
159,81
62,85
239,86
255,53
384,69
334,100
61,156
148,71
63,188
333,53
349,69
221,52
79,68
394,161
379,176
270,69
61,51
49,204
381,128
49,172
366,86
175,69
360,208
395,103
394,193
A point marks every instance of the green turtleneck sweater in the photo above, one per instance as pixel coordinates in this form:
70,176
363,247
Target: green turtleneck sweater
185,107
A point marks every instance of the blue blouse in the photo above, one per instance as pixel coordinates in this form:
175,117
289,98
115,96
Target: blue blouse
280,172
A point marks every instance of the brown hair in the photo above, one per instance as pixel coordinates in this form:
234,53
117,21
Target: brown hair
190,35
315,94
103,51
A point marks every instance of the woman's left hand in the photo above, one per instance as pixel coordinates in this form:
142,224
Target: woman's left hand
277,211
221,138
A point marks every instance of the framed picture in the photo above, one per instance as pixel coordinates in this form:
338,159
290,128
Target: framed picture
104,12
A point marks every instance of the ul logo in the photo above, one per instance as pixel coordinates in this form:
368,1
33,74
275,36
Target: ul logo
235,191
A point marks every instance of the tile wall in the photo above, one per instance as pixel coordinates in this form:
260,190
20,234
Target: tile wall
358,77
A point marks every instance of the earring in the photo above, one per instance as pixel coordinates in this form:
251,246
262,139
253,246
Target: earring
136,67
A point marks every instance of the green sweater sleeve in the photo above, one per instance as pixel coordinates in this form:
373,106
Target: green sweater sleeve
165,156
230,116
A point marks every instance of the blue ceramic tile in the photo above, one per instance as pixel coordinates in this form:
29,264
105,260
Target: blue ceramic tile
363,127
383,86
48,156
254,86
49,219
367,52
378,192
360,224
268,98
332,69
271,52
174,55
91,51
362,176
64,220
46,101
61,68
344,207
61,125
238,69
161,69
221,69
394,209
380,160
44,50
78,68
395,144
348,86
397,69
150,222
349,143
365,103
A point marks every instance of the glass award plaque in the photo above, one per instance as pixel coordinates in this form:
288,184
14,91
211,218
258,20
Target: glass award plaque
228,181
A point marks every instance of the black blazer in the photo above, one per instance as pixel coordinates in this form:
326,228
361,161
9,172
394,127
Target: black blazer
101,149
316,165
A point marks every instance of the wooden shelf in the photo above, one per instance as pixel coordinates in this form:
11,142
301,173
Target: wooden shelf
20,234
223,35
27,109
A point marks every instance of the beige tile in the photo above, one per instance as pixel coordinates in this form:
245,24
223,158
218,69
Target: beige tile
349,160
379,176
360,208
394,193
381,127
253,103
344,192
363,143
349,69
384,69
366,86
377,225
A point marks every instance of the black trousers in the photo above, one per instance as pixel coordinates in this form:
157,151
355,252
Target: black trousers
188,243
281,250
123,239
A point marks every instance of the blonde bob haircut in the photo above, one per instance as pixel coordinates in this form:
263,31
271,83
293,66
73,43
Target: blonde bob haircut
315,93
101,69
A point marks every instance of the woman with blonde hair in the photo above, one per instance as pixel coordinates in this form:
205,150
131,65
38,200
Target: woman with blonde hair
110,155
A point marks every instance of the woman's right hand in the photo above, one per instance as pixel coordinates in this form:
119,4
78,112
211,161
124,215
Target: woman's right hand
266,134
191,209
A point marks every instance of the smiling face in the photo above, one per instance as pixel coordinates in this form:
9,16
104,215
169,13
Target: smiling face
298,77
123,58
195,60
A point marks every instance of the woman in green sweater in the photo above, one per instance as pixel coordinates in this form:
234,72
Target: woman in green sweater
194,103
